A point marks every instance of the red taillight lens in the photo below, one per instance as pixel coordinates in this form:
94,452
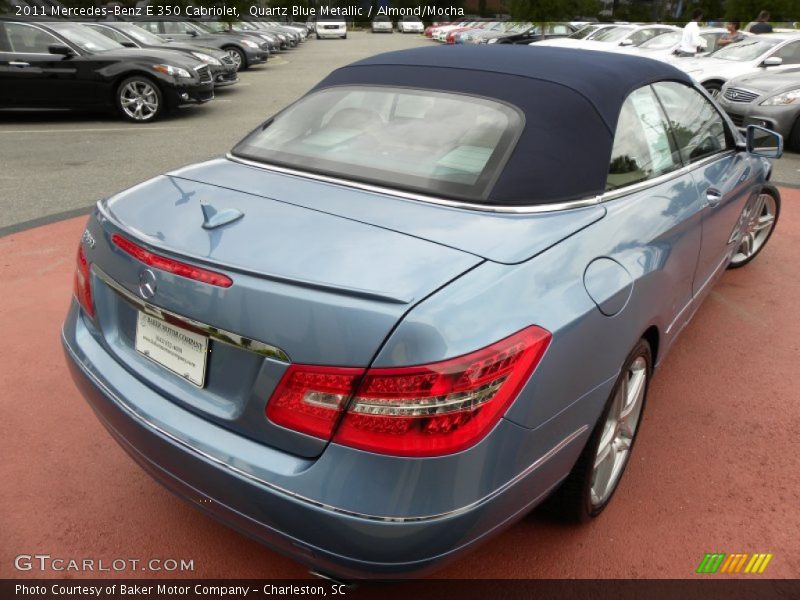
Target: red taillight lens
425,410
170,265
82,285
310,399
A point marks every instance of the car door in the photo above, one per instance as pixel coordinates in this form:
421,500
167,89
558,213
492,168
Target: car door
654,212
722,176
31,76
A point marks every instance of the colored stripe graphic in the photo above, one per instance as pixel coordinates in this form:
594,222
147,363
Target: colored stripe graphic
711,562
733,563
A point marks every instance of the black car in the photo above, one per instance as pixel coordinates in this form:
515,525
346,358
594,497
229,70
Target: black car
222,66
246,50
535,33
67,65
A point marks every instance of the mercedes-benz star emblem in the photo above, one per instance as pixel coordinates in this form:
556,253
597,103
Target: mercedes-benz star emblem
147,284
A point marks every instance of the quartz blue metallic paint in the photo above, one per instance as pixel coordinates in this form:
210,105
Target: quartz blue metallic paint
336,274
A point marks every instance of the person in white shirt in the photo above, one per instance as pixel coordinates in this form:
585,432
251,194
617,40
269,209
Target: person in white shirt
691,41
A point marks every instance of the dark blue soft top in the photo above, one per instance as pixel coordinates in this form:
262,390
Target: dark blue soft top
570,98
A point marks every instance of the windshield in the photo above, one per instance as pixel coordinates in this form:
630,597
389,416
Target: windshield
663,41
140,35
434,142
210,26
584,31
613,34
84,38
749,49
411,19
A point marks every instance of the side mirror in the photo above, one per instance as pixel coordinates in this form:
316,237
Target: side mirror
60,49
772,61
764,142
626,43
191,32
128,44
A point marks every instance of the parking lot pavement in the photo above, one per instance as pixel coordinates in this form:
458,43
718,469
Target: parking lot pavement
715,468
54,162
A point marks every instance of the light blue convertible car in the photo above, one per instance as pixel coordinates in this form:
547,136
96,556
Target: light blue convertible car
416,302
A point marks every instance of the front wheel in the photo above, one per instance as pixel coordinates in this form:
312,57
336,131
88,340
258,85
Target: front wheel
594,479
759,223
713,88
238,57
139,100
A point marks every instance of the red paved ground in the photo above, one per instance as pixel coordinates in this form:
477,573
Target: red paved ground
716,467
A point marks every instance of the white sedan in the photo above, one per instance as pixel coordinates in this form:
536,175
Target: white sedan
613,37
765,52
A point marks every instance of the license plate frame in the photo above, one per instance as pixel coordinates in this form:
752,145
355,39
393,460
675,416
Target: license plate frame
172,347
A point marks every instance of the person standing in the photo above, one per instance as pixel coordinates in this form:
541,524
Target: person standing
762,25
691,41
733,35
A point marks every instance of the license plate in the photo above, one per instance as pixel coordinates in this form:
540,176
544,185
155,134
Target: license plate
331,27
181,351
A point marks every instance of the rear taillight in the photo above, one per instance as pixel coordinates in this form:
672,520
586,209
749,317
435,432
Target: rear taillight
82,285
310,399
170,265
424,410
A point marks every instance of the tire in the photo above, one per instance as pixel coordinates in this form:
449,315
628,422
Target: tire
713,88
759,219
344,37
139,99
577,499
318,37
794,137
239,58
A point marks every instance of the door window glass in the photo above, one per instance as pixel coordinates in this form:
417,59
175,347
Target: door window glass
642,145
699,129
25,39
790,54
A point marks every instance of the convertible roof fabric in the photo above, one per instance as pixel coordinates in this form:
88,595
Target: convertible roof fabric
571,100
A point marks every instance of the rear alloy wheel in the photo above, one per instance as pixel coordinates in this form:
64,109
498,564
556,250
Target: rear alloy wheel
596,476
238,58
139,99
713,88
794,137
759,223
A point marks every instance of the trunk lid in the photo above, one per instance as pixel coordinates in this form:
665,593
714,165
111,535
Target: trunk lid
499,237
321,288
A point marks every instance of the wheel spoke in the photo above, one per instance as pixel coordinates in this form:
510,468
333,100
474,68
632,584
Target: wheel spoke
765,222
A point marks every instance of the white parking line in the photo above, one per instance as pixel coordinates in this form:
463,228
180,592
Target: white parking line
90,130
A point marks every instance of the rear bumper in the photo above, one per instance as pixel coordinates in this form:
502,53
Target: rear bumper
325,33
213,468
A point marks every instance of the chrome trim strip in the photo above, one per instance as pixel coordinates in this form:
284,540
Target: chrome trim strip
219,335
149,424
522,210
643,185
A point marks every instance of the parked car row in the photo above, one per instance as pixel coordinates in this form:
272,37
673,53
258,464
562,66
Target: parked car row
756,79
140,68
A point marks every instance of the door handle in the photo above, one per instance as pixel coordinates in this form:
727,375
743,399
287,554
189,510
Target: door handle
713,197
17,63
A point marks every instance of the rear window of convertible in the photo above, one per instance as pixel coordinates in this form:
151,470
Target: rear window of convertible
418,140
